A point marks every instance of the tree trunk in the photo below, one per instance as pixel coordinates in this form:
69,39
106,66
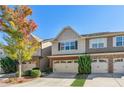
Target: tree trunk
20,70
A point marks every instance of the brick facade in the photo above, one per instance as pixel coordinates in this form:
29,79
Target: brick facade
109,57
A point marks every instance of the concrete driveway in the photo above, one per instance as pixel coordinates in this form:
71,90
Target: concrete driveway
105,80
52,80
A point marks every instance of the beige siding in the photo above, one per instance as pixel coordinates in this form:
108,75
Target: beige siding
28,66
38,52
46,51
68,35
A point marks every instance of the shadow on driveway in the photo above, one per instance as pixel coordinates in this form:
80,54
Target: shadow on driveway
7,75
105,75
62,75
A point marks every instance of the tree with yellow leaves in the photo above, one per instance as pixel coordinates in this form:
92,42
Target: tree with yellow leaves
19,44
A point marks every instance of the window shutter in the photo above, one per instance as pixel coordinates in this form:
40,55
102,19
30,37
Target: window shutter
76,44
114,41
59,46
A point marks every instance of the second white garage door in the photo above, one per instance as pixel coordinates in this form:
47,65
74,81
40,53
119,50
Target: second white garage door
118,65
99,66
66,66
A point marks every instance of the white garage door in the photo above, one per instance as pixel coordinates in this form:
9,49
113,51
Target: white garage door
99,66
118,65
66,66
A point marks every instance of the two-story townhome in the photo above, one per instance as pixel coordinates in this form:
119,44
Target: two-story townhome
105,48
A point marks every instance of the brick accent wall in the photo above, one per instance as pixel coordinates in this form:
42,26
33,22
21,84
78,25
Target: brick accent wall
109,57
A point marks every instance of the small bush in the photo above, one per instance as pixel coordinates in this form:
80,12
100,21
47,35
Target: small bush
27,73
35,73
8,65
17,73
36,68
84,66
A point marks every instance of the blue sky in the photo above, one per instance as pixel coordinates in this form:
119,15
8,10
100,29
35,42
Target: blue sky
84,19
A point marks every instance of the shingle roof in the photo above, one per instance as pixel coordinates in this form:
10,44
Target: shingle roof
47,40
101,33
37,38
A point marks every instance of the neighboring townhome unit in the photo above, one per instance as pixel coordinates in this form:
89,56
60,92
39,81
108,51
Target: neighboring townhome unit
105,48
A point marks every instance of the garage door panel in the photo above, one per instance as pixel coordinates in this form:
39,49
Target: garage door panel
71,67
118,67
65,67
98,67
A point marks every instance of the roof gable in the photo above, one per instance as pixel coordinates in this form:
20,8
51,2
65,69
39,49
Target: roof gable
36,38
67,29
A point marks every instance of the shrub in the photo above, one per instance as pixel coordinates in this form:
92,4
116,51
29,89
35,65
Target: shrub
27,73
8,65
84,64
17,73
35,73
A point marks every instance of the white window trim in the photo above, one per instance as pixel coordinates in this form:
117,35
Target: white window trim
64,41
97,41
70,40
114,41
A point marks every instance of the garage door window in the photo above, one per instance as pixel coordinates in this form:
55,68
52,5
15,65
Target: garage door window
75,61
118,60
94,60
102,60
63,61
56,62
69,62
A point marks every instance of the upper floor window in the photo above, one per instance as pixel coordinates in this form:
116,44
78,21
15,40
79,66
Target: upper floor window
119,41
98,43
69,45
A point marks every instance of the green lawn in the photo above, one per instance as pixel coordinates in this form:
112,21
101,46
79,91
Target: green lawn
80,80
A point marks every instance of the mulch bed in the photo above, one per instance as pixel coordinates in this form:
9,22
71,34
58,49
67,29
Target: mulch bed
16,80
